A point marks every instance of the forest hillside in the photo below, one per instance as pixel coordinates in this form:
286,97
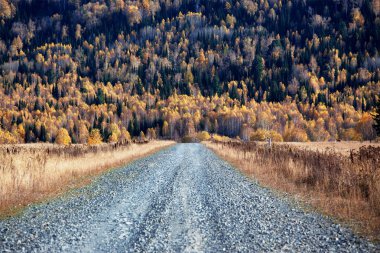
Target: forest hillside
86,71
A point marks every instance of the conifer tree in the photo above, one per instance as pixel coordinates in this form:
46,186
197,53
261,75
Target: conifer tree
376,117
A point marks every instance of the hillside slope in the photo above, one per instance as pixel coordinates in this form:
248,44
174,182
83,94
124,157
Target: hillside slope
307,69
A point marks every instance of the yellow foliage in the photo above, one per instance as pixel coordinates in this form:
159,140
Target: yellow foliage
63,137
7,137
151,133
95,138
142,136
258,135
165,129
113,138
262,135
365,127
220,138
296,135
352,134
21,131
357,17
125,136
203,136
115,133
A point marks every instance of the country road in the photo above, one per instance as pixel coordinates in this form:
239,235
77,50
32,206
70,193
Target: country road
182,199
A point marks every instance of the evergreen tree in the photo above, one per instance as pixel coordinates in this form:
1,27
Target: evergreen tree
119,108
376,117
100,98
37,90
55,92
234,93
43,134
258,68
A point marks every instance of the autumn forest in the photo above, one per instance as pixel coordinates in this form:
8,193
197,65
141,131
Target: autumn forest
91,71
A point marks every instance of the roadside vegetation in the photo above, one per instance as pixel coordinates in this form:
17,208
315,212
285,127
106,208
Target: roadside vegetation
32,172
340,183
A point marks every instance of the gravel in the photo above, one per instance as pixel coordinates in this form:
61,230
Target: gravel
182,199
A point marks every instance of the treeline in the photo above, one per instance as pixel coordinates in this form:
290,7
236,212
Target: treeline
71,120
117,66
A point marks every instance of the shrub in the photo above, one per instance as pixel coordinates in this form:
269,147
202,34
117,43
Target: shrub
203,136
258,135
262,135
220,138
189,139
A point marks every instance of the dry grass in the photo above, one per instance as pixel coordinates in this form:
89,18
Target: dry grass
343,185
344,147
31,173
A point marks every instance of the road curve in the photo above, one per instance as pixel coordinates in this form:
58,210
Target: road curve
182,199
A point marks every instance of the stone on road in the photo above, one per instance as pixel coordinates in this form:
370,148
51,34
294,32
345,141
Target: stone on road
182,199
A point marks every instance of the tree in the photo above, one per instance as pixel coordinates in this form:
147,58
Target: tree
258,67
63,137
151,134
376,118
7,137
95,137
142,136
165,129
114,133
125,136
133,15
6,9
365,127
83,133
37,90
78,32
100,97
43,134
113,138
16,46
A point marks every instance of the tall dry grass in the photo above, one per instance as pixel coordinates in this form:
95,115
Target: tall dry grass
32,172
344,186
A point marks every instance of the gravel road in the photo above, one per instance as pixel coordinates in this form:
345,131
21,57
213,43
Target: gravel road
182,199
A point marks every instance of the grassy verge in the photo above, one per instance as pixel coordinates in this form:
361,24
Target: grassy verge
31,173
343,186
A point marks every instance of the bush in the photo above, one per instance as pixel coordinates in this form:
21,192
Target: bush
258,135
189,139
203,136
220,138
262,135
